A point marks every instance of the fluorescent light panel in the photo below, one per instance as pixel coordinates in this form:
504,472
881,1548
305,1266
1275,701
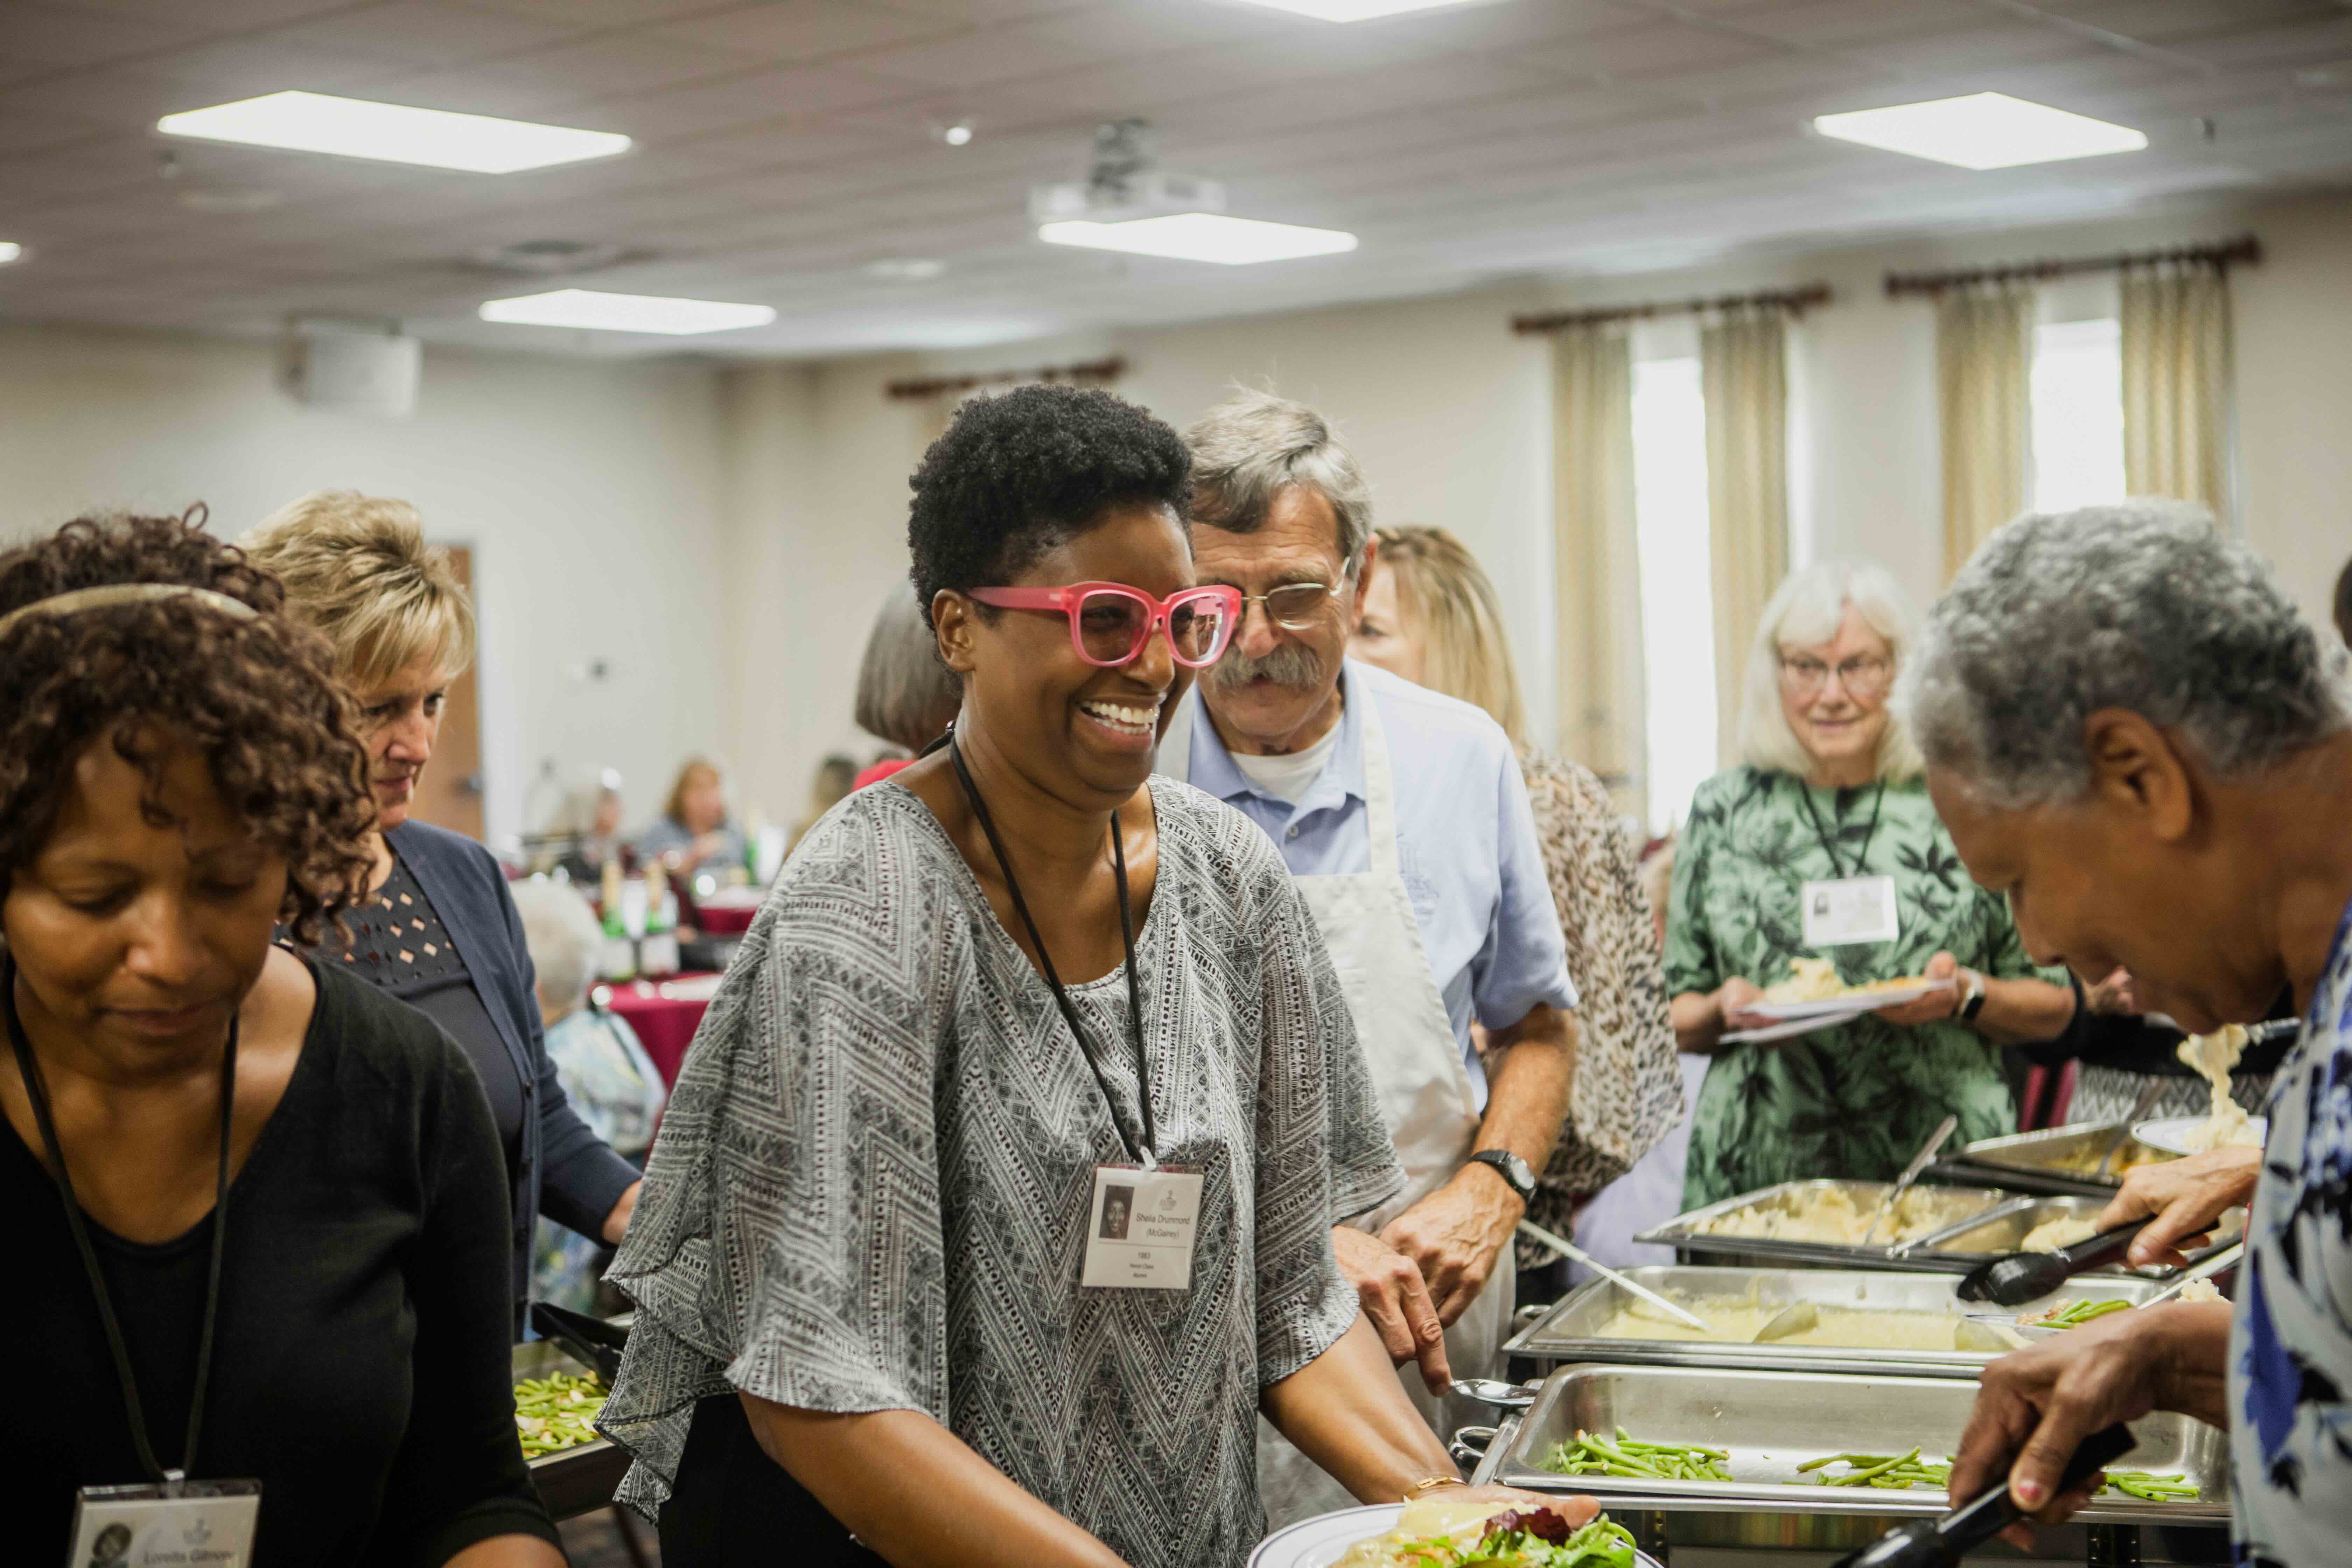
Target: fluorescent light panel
9,251
625,312
1202,236
392,133
1982,131
1353,10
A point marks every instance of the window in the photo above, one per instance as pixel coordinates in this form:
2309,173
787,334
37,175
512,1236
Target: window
1670,511
2078,413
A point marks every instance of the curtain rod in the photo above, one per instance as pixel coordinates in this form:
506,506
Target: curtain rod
1795,301
1110,369
2244,250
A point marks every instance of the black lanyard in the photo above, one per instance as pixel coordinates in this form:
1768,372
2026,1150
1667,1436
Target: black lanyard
1829,847
1144,1155
38,1092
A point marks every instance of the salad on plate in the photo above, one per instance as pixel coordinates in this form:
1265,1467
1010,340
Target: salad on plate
1561,1532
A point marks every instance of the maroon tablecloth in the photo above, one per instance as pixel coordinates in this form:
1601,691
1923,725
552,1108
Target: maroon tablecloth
663,1022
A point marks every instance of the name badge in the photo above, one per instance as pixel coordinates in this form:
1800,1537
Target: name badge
1850,909
1140,1228
183,1524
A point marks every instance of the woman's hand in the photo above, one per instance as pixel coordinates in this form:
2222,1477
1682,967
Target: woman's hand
1938,1005
2111,997
1733,998
2187,1199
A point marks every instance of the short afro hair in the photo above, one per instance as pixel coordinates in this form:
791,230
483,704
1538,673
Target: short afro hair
1022,473
253,695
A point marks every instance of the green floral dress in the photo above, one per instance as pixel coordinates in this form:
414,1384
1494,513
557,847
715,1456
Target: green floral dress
1859,1099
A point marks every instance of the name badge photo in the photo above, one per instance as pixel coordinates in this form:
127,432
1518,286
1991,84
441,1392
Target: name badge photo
1850,909
192,1524
1140,1228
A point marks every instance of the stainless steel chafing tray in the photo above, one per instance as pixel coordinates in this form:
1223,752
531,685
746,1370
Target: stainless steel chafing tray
576,1480
1569,1331
2003,1230
1769,1423
1688,1233
2060,1158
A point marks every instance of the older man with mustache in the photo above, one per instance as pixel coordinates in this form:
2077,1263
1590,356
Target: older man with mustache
2135,737
1403,816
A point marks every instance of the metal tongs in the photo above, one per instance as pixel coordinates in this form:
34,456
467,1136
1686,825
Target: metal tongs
1919,1161
592,1341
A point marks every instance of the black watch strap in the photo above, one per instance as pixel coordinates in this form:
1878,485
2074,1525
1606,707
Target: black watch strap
1511,1168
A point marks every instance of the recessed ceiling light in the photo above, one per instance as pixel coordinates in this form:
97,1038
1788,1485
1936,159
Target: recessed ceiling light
625,312
9,251
906,268
1353,10
1202,236
1982,131
392,133
957,135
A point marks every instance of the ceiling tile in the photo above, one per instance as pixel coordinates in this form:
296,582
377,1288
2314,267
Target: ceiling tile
602,13
425,32
1833,24
56,38
1659,49
212,15
754,99
803,30
2168,21
594,70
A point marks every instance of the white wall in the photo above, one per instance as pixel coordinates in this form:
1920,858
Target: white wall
1449,412
589,491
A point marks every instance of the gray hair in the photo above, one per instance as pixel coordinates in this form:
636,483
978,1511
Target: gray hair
564,937
1808,608
1254,446
2144,607
904,695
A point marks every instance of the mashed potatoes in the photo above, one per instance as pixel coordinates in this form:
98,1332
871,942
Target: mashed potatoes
1830,1216
2211,1056
2053,1233
1735,1321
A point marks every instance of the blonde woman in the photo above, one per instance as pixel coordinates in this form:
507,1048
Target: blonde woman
1821,843
436,929
694,829
1431,616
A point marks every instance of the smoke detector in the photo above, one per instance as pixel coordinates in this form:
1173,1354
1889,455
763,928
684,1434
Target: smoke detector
556,258
1123,182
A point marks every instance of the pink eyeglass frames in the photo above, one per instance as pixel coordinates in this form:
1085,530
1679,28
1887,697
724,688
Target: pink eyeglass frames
1110,622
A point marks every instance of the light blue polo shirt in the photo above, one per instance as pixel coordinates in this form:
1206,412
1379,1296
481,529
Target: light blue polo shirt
1464,833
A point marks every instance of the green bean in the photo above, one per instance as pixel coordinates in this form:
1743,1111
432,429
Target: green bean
1592,1454
2074,1314
1884,1472
2152,1489
553,1413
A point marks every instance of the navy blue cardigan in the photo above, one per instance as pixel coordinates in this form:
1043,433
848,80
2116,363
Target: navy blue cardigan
567,1172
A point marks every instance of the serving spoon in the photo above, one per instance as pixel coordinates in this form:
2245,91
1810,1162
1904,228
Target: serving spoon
1919,1161
1567,1248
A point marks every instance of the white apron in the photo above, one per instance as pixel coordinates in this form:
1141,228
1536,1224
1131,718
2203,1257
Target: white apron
1409,1044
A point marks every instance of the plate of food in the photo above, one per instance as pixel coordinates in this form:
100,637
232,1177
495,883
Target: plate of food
1813,991
1435,1532
2198,1134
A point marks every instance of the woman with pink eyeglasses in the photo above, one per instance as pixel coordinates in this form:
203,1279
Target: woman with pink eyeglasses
995,1199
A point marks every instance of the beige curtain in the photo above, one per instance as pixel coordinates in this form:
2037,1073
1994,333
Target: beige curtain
1597,578
1984,383
2176,353
1743,373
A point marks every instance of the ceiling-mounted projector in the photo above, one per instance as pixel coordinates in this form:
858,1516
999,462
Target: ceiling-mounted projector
1123,184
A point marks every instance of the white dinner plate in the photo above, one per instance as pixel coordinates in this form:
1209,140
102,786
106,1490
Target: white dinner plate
1322,1541
1847,1005
1786,1031
2171,1133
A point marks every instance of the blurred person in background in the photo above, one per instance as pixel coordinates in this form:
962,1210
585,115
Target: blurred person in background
2344,604
693,828
2140,743
1431,614
610,1082
906,697
593,814
837,775
258,1214
1827,810
1403,817
436,928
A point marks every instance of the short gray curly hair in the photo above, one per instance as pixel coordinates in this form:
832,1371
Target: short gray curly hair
2144,607
1254,446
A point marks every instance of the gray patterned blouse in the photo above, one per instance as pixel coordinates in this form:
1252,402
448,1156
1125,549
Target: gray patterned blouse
870,1192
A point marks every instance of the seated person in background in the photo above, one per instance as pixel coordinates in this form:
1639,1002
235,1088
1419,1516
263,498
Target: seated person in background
906,697
1828,801
178,777
2344,604
693,830
835,777
594,816
612,1084
1431,616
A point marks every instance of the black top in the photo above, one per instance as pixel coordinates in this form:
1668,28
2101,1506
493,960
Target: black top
394,939
362,1370
2128,1042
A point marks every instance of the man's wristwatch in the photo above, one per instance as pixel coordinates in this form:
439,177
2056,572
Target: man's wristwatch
1972,1000
1511,1168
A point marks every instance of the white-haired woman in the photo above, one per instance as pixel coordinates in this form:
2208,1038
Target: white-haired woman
612,1083
1823,844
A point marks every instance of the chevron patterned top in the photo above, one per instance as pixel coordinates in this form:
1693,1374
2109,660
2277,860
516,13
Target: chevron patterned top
870,1191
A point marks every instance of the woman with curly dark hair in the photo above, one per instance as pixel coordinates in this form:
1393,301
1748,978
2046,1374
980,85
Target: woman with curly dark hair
1018,991
258,1208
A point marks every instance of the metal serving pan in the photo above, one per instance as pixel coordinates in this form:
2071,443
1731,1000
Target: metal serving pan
577,1480
1687,1233
1771,1422
2003,1230
2060,1158
1569,1331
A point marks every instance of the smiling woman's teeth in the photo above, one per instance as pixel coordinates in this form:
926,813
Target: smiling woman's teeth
1122,717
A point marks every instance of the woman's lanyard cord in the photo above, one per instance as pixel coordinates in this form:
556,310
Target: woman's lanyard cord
1829,845
1145,1155
37,1091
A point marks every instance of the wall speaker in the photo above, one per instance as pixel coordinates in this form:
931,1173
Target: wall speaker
353,367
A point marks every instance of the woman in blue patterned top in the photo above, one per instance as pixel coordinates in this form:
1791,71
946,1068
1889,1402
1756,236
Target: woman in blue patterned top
2134,737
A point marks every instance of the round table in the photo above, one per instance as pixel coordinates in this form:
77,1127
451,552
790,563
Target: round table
665,1014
